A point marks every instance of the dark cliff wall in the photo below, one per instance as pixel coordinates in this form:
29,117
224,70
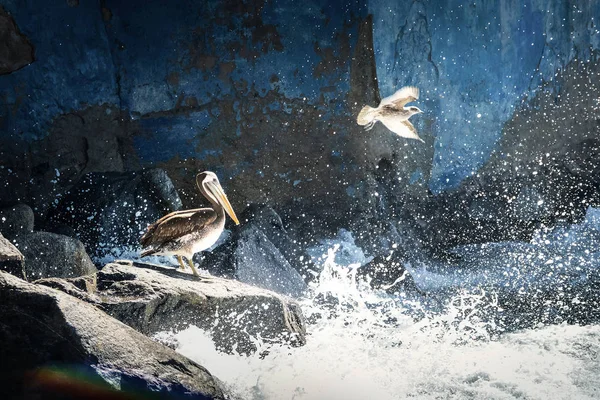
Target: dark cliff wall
265,93
477,63
256,91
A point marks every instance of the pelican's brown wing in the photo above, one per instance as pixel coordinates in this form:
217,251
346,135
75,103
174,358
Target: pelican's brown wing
401,97
177,224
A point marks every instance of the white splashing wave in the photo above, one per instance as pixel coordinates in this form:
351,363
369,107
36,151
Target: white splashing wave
367,345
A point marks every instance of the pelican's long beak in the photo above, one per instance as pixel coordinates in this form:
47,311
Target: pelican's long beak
217,190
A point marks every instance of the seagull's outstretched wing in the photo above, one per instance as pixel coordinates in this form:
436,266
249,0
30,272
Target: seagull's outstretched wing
402,128
401,97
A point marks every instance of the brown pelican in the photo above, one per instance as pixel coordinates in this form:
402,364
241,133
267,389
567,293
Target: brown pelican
184,233
392,113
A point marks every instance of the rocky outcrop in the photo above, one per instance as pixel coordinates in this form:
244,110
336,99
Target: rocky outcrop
545,170
55,346
287,136
52,255
11,259
152,299
112,210
261,253
16,220
389,274
15,49
266,219
432,43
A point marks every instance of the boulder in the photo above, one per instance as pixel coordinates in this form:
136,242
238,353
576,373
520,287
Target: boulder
259,252
56,346
265,218
15,49
16,220
52,255
250,257
388,273
112,210
152,299
11,259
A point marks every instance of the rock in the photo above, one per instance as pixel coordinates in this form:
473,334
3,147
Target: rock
250,257
388,273
110,210
152,299
15,220
15,49
11,259
268,221
54,344
52,255
260,252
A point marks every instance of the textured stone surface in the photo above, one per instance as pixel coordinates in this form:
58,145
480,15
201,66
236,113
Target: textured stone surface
55,345
96,138
260,252
546,169
388,273
252,258
52,255
11,259
112,210
152,299
475,68
271,105
16,220
275,85
15,49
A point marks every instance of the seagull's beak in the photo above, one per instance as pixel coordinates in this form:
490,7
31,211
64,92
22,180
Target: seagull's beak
219,194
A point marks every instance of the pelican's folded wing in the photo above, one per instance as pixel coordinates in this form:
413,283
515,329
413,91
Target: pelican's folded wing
177,224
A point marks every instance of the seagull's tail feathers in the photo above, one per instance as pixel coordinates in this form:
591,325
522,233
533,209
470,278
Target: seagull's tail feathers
366,115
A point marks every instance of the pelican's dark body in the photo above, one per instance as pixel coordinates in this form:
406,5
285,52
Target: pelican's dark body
209,224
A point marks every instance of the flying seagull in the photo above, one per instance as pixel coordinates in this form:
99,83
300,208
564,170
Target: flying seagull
184,233
392,113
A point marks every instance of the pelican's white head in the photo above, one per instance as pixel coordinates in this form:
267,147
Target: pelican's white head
209,185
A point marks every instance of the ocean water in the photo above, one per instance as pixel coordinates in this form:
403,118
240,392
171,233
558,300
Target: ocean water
366,344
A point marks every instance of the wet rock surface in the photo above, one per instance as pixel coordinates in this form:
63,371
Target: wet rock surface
544,170
52,255
16,220
388,273
260,252
152,299
15,49
109,210
56,346
11,259
266,219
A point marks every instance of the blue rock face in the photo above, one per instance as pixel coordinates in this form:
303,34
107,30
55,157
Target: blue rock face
235,87
263,92
73,67
476,63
